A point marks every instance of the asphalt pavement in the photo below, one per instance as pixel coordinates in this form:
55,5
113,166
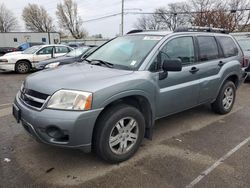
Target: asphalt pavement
195,148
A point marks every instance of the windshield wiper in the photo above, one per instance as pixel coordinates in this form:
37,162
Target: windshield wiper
98,62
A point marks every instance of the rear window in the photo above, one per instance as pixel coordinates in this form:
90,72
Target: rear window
228,46
208,48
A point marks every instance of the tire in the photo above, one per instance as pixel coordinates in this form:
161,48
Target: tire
22,67
226,98
109,143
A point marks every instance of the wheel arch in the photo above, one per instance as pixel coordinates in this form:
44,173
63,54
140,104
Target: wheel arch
26,60
142,103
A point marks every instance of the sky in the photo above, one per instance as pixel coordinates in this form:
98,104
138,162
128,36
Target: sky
91,9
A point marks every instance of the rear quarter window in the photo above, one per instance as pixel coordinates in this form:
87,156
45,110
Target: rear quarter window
229,47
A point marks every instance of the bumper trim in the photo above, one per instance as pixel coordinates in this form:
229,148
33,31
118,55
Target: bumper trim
84,147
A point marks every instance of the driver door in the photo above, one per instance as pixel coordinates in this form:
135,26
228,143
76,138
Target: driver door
43,54
179,90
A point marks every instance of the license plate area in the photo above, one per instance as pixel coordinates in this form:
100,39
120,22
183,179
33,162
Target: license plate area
16,113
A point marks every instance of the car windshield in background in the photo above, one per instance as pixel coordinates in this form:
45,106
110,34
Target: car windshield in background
31,50
127,51
77,52
245,44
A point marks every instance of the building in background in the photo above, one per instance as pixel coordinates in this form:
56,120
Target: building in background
14,39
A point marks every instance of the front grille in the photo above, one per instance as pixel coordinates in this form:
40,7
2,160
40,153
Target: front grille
33,98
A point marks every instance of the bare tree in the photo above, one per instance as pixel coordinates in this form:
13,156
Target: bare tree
69,20
174,15
147,23
224,14
37,19
7,21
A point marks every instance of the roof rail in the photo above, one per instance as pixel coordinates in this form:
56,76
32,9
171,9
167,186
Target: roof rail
135,31
201,29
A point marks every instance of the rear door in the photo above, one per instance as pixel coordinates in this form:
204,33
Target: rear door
61,50
210,61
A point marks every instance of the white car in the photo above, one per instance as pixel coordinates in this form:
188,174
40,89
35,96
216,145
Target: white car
25,61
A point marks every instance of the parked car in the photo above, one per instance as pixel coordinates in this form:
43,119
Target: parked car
24,61
244,42
109,103
4,50
76,55
76,44
22,47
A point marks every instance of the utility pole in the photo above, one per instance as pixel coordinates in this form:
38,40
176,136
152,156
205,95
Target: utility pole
122,19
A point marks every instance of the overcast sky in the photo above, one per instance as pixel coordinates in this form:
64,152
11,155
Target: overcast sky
90,9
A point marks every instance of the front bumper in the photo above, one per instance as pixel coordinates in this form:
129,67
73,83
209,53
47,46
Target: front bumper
7,66
78,126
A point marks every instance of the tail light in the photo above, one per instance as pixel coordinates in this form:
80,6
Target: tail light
13,49
245,62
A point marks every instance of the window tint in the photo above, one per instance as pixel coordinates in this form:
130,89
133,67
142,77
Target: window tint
46,50
182,48
208,48
228,46
61,49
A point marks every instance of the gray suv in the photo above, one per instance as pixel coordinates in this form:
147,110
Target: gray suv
110,102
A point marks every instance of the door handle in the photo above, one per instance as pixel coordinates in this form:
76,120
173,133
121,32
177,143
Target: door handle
221,63
194,70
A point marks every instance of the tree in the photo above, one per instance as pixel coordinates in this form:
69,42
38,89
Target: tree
229,15
69,20
174,15
8,22
37,19
147,23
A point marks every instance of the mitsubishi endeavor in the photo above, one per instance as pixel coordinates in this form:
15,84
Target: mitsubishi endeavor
110,102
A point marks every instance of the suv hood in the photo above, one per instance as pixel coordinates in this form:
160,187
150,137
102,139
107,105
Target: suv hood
76,76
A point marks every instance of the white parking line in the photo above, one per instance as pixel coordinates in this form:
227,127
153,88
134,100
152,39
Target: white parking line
7,104
5,112
216,164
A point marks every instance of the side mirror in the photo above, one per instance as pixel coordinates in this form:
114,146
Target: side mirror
172,65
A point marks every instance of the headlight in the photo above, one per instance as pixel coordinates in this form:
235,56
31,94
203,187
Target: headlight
70,100
52,65
3,60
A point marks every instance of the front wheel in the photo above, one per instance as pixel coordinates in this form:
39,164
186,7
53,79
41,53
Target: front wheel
22,67
225,100
119,133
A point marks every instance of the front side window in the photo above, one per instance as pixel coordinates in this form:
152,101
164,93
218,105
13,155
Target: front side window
45,51
208,48
228,46
127,51
181,48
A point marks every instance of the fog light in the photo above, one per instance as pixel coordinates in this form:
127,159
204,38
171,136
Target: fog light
55,132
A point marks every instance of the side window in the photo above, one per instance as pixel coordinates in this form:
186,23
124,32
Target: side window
228,46
181,48
61,49
208,48
46,50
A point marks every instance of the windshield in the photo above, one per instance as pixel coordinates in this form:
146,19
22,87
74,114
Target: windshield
31,50
245,44
126,51
77,52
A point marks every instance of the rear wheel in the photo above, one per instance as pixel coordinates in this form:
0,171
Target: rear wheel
119,133
22,67
225,100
